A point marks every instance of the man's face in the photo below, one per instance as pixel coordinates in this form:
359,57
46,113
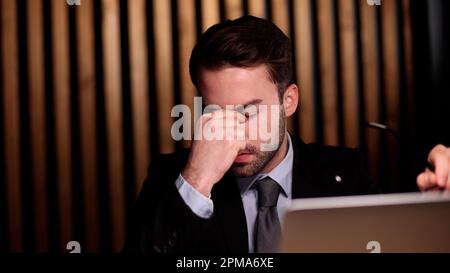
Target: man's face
246,86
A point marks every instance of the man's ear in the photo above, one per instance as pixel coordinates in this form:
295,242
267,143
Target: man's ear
290,100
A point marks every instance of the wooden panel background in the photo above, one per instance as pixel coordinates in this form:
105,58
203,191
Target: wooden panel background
86,94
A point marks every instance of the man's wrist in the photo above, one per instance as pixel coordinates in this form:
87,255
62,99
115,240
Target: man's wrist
200,205
197,182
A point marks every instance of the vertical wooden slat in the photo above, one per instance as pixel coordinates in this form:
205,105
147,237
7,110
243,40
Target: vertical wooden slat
233,9
139,88
11,112
304,61
186,15
164,72
348,66
280,15
390,61
113,108
256,8
407,36
388,10
37,121
210,13
369,59
88,124
62,115
328,71
410,99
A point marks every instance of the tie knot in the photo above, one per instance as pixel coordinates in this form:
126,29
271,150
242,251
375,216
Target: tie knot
268,192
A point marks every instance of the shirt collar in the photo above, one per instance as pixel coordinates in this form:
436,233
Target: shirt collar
282,174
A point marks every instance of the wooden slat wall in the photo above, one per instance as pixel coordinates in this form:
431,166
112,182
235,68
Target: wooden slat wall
233,9
139,88
347,69
305,48
256,8
347,26
62,115
164,72
88,124
11,122
371,84
328,75
391,84
187,34
113,108
36,73
408,64
210,13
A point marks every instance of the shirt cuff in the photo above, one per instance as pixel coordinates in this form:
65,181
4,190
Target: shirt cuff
202,206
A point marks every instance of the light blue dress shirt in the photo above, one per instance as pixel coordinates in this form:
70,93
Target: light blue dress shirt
282,174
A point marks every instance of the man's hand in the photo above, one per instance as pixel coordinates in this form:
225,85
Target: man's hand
209,160
439,157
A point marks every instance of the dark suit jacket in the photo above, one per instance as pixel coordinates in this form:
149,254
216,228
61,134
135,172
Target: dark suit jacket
163,223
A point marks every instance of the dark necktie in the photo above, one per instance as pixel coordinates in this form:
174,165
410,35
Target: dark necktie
267,223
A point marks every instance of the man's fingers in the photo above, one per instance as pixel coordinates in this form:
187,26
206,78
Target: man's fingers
442,169
226,128
223,125
225,113
440,158
205,118
426,180
422,181
221,115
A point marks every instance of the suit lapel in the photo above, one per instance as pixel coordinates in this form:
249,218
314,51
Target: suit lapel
229,210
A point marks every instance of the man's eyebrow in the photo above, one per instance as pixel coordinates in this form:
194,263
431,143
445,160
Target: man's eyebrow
253,102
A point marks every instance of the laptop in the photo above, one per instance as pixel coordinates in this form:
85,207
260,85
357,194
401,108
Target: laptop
407,223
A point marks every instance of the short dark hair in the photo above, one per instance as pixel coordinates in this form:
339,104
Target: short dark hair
245,42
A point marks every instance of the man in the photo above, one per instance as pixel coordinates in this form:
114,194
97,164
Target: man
228,195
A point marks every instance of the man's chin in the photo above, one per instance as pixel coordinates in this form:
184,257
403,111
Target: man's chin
244,169
252,164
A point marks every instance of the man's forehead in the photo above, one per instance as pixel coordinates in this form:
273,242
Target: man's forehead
231,87
234,74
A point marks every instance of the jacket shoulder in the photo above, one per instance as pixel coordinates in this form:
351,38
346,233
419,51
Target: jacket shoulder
334,154
336,170
338,159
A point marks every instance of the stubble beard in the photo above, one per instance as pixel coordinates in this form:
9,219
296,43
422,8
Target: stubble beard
261,158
